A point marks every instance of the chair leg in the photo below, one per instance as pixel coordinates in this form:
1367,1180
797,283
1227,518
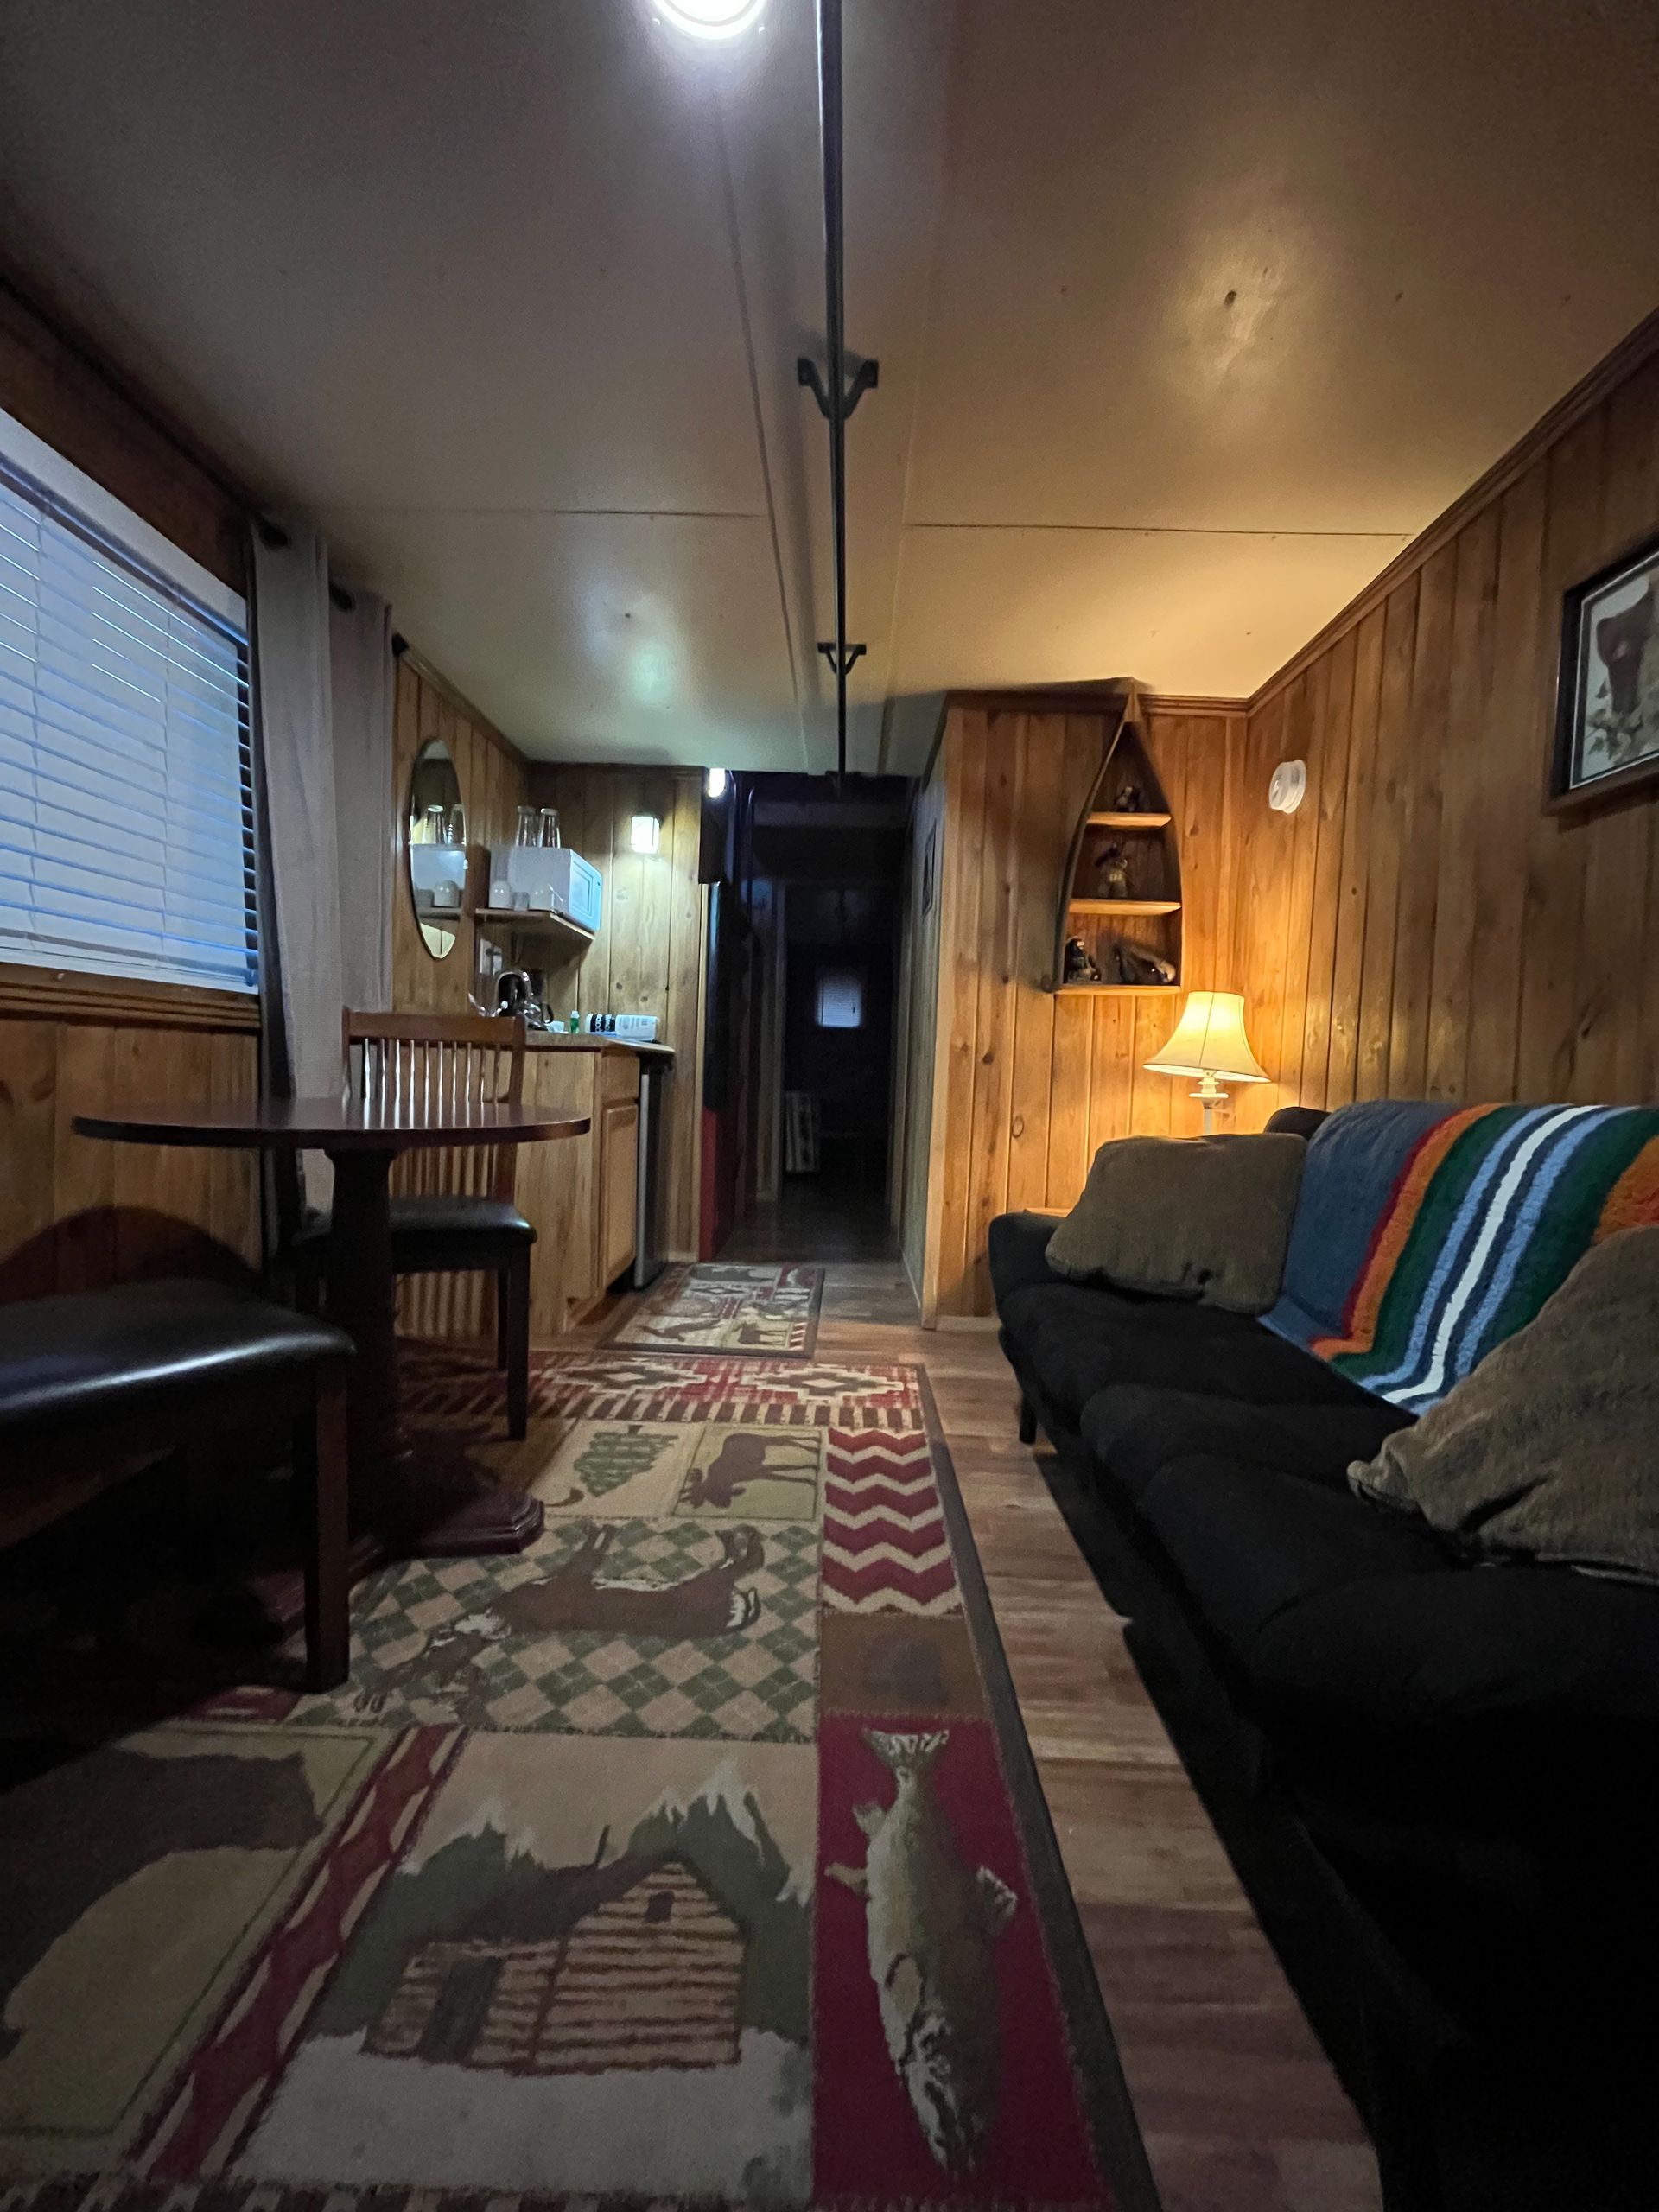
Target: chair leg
320,1477
515,1329
501,1306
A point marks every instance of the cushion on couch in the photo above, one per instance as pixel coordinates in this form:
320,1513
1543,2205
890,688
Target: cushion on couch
1135,1430
1192,1217
1367,1623
1549,1450
1077,1338
1248,1541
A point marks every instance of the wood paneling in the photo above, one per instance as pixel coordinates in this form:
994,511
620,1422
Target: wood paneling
1027,1085
1421,928
493,779
918,1012
75,1212
62,392
648,955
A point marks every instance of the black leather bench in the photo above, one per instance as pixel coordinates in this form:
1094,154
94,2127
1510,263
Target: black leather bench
111,1378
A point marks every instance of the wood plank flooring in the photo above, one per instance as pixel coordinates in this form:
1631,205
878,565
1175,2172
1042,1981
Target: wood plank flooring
1240,2110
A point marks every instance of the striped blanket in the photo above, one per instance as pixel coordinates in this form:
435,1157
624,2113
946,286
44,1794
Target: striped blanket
1425,1235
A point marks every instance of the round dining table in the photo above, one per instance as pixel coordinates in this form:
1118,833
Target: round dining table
404,1505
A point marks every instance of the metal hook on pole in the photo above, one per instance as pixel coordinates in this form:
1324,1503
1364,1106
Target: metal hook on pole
836,392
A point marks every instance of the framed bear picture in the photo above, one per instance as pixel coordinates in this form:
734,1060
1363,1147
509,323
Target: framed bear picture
1606,741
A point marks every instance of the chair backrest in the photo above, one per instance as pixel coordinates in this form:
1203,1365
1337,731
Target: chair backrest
451,1060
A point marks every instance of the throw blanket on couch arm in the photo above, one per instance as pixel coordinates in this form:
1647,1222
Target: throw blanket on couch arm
1425,1235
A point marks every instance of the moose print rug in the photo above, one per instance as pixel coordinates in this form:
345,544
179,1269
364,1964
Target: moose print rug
693,1856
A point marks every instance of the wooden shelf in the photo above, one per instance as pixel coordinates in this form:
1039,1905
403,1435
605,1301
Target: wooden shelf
1118,990
1129,820
1122,905
516,919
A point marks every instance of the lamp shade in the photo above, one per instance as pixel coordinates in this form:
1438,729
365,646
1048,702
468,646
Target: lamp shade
1210,1039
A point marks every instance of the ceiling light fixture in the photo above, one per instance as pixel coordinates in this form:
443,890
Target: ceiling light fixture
712,19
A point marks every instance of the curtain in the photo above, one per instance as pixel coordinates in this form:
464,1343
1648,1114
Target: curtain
363,679
292,677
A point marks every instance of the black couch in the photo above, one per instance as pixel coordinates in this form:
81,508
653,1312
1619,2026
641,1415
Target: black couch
1436,1781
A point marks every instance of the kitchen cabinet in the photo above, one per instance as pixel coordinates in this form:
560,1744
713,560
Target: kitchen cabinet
582,1195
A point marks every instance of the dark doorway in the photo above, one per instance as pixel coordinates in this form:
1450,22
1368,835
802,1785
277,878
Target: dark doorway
820,870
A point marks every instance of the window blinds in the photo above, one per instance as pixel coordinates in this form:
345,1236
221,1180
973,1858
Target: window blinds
126,825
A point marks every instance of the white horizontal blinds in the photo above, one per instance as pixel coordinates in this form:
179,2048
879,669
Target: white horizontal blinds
126,828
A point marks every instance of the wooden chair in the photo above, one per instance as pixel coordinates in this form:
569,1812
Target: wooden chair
452,1210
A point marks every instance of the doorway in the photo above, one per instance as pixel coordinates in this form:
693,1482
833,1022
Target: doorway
823,891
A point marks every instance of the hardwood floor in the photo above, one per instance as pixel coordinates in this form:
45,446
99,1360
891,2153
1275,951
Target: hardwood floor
1241,2111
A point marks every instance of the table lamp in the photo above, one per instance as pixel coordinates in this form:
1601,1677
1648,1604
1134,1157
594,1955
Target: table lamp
1208,1042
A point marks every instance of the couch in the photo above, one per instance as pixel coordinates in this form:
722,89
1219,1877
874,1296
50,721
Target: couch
1436,1779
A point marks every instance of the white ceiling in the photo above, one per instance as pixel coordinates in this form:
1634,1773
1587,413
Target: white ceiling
1189,316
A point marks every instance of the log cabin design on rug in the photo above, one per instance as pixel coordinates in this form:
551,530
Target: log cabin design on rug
693,1855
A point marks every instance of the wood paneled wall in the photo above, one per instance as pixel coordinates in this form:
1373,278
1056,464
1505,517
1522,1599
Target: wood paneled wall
648,957
1027,1084
917,1020
1421,928
494,783
59,389
77,1213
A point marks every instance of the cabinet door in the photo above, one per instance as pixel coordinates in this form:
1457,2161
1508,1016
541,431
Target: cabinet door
619,1182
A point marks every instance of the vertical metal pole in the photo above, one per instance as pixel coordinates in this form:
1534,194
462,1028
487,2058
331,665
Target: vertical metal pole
834,280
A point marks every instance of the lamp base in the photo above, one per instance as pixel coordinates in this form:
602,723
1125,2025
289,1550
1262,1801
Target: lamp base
1210,1094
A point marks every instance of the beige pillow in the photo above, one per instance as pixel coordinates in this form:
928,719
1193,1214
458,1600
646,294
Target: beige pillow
1203,1217
1549,1449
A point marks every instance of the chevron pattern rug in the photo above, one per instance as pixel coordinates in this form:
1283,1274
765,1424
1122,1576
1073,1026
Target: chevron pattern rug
694,1857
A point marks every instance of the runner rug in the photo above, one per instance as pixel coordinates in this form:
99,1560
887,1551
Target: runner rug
694,1857
720,1308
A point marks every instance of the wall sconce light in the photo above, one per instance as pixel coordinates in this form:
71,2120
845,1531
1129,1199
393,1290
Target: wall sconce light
645,834
714,782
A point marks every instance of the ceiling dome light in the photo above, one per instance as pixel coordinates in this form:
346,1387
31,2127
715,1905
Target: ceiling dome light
712,19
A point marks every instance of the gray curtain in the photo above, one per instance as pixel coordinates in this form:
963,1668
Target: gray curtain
292,676
362,680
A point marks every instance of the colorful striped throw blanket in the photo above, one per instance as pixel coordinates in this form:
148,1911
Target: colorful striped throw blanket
1425,1235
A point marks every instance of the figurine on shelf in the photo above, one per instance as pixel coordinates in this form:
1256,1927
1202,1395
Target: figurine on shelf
1079,967
1129,799
1136,965
1112,871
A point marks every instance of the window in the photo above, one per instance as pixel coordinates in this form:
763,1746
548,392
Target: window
126,819
841,998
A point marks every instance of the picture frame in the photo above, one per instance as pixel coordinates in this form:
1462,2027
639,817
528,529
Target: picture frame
1605,741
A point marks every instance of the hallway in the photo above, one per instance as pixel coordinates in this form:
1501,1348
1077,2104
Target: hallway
821,1223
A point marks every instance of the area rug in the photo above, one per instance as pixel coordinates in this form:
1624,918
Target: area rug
718,1309
694,1857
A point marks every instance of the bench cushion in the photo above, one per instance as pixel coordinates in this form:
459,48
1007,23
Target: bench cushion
91,1355
1078,1337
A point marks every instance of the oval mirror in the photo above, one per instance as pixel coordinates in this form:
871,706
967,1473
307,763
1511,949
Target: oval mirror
435,843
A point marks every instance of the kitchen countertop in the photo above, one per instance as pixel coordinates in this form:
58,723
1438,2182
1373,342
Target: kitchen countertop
540,1040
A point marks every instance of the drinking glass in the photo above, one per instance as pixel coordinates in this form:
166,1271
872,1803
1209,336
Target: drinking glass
550,826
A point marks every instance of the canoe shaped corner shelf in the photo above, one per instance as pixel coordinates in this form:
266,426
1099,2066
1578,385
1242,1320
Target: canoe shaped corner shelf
1119,924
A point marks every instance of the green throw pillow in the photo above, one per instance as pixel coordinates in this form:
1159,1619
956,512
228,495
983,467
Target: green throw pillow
1545,1450
1196,1217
